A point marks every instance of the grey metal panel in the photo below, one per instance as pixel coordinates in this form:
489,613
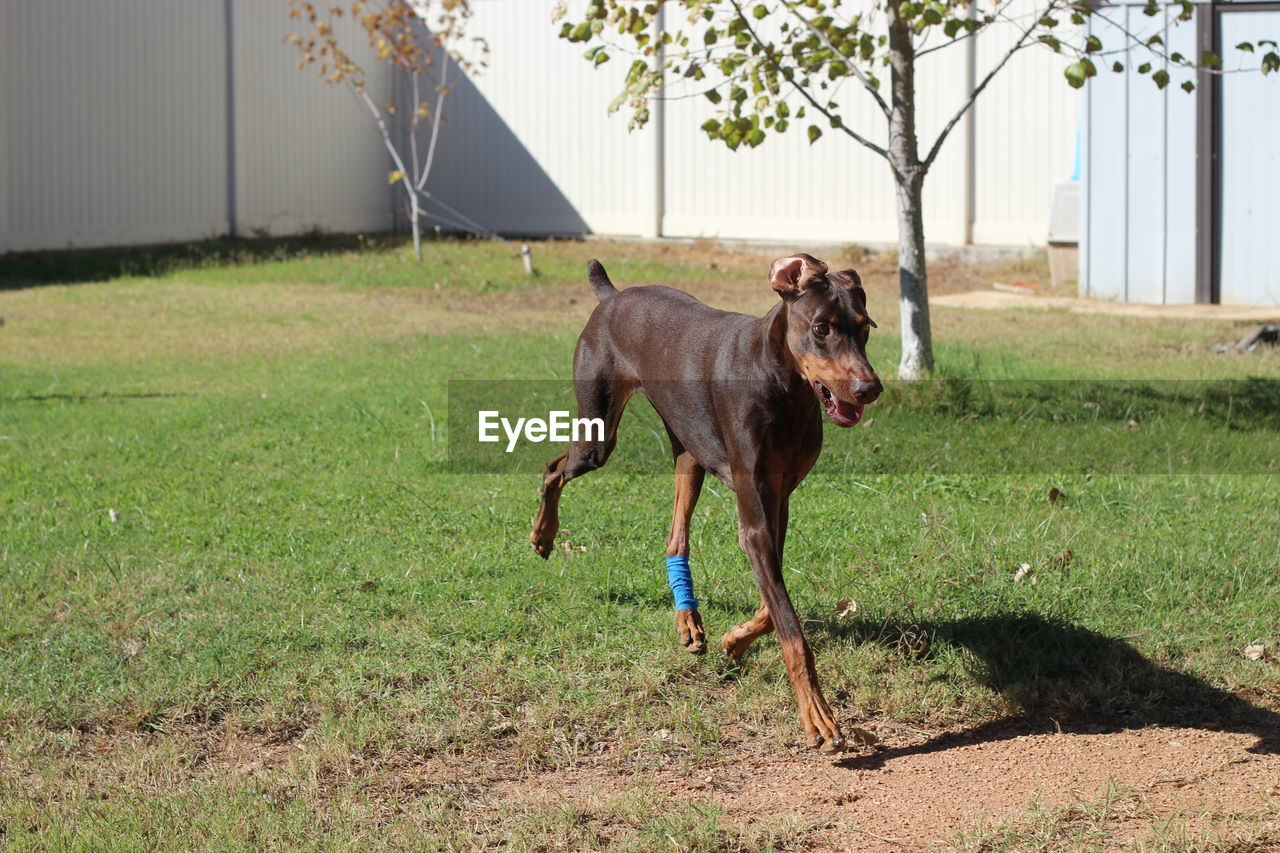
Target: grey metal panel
307,154
1025,133
1106,217
6,162
1139,230
122,106
1249,271
1180,181
527,143
1144,175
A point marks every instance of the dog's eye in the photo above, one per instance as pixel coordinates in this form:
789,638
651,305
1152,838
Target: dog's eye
821,329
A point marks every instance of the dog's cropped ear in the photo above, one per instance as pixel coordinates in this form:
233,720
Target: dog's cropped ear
790,276
851,281
847,278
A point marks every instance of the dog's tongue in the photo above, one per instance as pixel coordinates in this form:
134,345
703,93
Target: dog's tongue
842,413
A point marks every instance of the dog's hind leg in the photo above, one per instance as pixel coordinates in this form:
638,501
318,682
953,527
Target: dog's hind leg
689,476
600,403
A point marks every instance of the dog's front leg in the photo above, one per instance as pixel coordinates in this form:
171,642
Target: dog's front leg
759,516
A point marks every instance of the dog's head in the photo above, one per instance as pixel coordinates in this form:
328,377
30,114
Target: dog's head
827,329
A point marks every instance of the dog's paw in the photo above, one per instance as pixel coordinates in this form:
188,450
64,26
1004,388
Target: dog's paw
542,545
689,630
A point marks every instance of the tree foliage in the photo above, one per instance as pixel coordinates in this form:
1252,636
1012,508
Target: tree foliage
766,66
419,41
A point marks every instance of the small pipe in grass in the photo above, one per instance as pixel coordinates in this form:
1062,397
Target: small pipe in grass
526,255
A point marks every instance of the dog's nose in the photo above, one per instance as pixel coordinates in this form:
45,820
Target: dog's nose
866,392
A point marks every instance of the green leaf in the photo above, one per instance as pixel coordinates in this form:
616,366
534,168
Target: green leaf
711,126
713,96
1092,44
710,37
1052,42
1160,78
800,113
1144,68
755,137
1151,10
933,12
1187,85
814,133
759,11
582,32
783,110
1049,21
1075,75
951,27
1245,46
600,59
1155,40
1270,62
909,10
1117,67
1210,59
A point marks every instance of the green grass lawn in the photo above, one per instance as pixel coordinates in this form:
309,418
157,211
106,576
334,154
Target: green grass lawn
245,600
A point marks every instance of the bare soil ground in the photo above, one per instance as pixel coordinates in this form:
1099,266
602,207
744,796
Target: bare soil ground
997,300
920,790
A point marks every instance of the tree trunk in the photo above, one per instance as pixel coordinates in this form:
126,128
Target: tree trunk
909,172
415,222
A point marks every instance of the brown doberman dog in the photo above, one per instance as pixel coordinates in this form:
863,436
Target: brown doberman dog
743,398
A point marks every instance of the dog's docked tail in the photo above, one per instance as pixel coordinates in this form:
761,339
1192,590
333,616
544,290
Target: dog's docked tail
600,280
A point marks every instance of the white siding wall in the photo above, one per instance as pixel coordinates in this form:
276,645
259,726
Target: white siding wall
115,121
1139,205
113,130
307,154
1250,168
1025,131
546,101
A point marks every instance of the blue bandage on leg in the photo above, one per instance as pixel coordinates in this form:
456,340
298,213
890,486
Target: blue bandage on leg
681,583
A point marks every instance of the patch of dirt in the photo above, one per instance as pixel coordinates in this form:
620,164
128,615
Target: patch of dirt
995,299
918,790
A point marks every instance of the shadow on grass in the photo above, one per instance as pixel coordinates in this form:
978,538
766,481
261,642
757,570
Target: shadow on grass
1245,403
104,396
1063,677
32,269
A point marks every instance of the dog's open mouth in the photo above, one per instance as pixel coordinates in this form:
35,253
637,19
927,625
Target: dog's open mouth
841,413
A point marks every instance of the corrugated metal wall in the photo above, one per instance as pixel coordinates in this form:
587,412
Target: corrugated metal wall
1250,202
115,126
115,129
306,153
114,121
1139,202
545,98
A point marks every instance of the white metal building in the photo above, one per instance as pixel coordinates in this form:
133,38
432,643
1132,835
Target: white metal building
141,121
1181,192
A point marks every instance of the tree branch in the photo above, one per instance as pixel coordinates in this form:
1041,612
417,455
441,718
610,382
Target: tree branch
435,123
804,93
857,72
973,96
